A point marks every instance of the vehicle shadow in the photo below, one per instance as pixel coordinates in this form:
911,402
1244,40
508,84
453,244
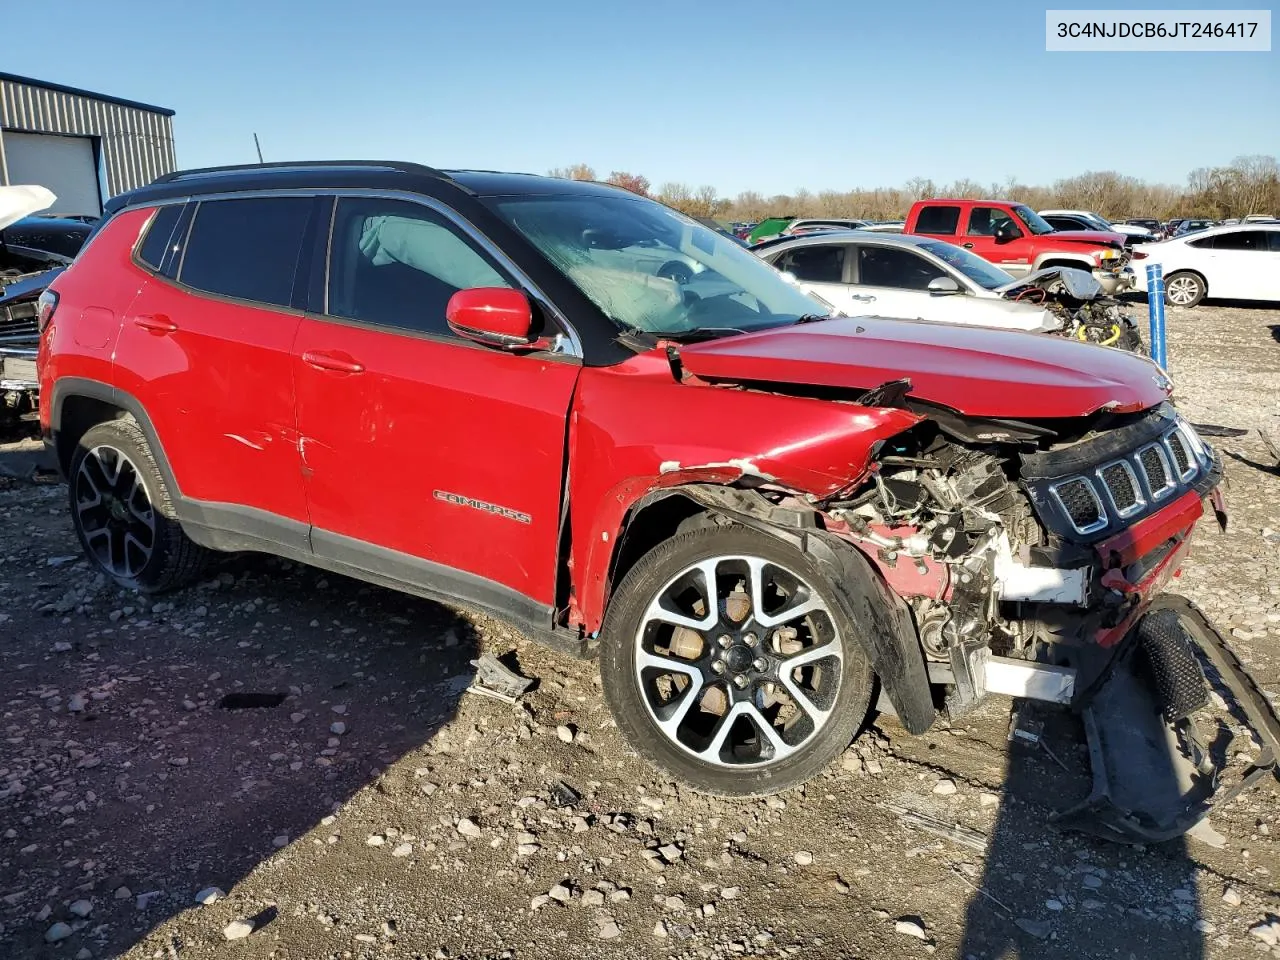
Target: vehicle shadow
22,454
1273,469
1048,893
1275,332
1139,297
213,728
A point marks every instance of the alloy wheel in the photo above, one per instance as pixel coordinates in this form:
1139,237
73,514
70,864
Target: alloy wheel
1182,290
739,661
114,512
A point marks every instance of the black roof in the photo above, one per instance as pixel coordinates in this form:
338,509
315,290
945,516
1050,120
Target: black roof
491,183
464,191
385,174
76,91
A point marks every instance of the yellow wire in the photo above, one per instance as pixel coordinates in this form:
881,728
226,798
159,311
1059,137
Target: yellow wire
1083,334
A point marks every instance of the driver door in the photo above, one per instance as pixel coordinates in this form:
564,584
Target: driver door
979,236
427,458
897,280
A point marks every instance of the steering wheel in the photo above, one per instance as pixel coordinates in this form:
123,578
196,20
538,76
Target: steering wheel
676,271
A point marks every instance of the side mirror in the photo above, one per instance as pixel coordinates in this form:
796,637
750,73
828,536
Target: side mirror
943,286
1006,230
495,316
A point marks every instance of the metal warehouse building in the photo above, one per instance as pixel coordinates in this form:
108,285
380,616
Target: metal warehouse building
83,146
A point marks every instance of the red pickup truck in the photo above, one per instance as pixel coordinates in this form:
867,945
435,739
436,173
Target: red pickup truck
1020,241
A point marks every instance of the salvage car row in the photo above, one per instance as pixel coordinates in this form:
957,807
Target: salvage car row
992,263
1001,264
571,407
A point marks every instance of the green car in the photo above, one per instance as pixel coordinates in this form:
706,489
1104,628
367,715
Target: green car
768,227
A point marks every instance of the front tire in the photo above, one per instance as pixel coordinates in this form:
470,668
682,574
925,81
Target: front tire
122,513
1184,289
729,663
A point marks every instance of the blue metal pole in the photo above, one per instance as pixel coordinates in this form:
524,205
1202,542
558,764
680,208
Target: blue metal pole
1155,311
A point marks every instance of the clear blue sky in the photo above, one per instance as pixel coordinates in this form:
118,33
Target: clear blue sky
759,94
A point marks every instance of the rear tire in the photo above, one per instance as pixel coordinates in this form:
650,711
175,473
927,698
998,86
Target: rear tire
122,512
1184,289
718,706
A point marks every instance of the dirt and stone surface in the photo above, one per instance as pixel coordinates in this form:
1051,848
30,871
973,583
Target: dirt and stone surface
283,763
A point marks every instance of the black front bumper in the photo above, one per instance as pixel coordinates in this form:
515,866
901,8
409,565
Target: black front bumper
1153,776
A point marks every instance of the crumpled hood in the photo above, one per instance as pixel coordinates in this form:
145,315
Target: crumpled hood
21,201
978,372
1086,236
1078,283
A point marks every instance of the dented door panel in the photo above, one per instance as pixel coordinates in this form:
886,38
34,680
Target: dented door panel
436,449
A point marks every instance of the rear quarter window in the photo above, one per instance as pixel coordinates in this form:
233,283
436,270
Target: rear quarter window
246,249
156,240
938,220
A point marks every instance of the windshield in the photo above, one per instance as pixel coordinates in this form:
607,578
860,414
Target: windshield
980,271
649,268
1036,223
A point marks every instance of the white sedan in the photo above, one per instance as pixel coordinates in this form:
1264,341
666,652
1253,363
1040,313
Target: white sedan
906,277
1237,262
910,277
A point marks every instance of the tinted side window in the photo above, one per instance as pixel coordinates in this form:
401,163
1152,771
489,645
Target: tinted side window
824,264
1067,223
156,242
891,267
1202,243
1241,240
984,220
941,221
397,263
1274,236
247,249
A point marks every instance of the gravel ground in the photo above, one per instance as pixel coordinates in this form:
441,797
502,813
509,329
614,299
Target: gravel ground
297,749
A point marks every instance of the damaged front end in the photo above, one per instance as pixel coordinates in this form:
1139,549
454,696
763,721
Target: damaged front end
19,341
1080,304
1034,568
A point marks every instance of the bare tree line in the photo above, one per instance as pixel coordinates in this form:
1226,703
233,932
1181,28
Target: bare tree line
1247,185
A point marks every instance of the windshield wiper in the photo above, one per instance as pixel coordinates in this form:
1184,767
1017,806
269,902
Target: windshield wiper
814,317
703,333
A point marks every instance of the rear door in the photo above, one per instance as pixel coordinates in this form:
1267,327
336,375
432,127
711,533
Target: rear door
207,349
428,458
941,220
979,236
1242,265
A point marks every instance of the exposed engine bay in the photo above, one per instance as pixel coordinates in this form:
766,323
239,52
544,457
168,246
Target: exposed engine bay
19,339
1079,302
1007,545
1024,578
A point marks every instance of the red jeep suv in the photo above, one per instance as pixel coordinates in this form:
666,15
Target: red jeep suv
578,409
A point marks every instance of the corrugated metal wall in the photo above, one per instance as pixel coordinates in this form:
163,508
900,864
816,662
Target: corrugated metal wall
137,145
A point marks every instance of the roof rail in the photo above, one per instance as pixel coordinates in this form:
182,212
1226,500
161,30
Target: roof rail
293,166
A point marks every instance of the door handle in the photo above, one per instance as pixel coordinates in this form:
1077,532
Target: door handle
967,246
327,361
156,323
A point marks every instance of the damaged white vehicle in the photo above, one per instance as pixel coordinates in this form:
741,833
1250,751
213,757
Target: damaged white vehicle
911,277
